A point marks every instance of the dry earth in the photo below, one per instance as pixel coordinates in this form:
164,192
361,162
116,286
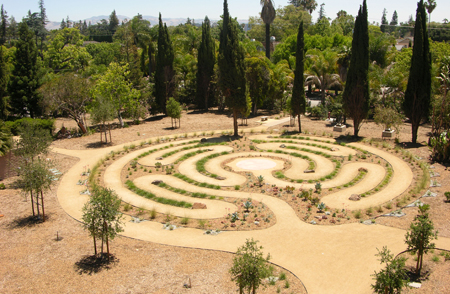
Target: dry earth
33,261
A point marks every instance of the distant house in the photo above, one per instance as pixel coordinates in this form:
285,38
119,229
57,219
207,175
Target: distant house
404,43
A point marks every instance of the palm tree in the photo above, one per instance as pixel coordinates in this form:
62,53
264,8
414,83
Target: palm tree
430,5
322,72
268,16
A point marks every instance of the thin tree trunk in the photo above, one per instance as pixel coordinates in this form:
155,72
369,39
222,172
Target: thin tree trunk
32,202
110,139
268,40
105,225
235,122
43,209
299,124
37,205
415,128
119,116
93,236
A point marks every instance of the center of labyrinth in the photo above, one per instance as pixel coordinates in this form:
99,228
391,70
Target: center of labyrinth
256,164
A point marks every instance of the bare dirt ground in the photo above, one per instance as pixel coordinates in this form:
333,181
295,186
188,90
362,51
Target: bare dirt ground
34,261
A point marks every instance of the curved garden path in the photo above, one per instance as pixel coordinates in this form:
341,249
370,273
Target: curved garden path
327,259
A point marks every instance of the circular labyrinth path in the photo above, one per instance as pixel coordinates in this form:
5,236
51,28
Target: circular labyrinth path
327,258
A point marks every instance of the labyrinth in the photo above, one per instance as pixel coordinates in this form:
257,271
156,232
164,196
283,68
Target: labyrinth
311,201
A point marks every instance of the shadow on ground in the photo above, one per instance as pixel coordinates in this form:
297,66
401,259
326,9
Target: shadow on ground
92,264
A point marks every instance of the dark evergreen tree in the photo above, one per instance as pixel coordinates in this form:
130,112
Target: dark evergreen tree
418,92
205,65
3,87
384,21
356,92
25,78
164,76
231,68
113,22
3,26
394,20
298,101
12,28
321,12
63,24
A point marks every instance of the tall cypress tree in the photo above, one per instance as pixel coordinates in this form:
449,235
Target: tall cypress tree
205,65
231,67
3,25
418,92
164,75
356,92
25,78
298,101
3,87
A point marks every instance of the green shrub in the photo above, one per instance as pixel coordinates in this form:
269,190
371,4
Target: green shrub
15,126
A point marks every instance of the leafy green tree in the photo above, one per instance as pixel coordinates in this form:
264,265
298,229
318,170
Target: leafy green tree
102,217
419,236
322,71
258,75
231,67
4,77
298,101
268,14
418,92
33,143
68,94
66,51
345,21
392,278
356,92
308,5
249,267
173,109
394,20
205,66
102,111
25,79
115,87
164,75
5,139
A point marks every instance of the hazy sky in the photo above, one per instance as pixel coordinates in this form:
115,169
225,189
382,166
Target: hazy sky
198,9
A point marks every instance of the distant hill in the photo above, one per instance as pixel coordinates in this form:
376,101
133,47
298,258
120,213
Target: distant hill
53,25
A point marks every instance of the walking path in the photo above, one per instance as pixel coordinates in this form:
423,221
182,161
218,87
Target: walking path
328,259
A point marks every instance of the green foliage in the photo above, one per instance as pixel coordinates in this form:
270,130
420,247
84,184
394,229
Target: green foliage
114,87
25,78
419,236
164,75
231,67
258,75
298,101
418,92
249,266
102,217
44,124
34,141
388,117
356,93
205,65
173,110
392,278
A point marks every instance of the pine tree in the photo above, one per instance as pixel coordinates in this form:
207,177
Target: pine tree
3,25
3,87
63,24
384,21
394,20
164,76
25,78
356,93
418,92
205,65
231,67
298,101
113,22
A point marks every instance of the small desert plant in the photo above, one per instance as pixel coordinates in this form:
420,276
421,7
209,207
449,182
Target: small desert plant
201,223
184,221
447,196
321,207
357,214
260,180
282,276
237,187
153,213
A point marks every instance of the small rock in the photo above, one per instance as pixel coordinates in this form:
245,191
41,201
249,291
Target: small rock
197,205
158,158
257,219
318,216
334,149
282,146
327,212
362,169
355,197
233,225
269,136
203,140
415,285
313,222
309,171
157,182
220,178
1,215
324,217
210,149
256,223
